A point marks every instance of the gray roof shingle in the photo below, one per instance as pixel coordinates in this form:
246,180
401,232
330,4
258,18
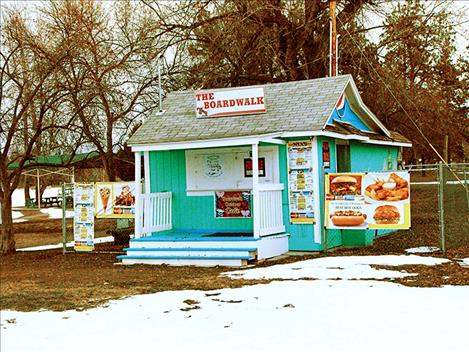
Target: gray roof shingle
291,106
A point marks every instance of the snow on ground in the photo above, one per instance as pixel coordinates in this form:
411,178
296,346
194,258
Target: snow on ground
56,213
357,267
300,315
18,195
422,250
464,262
60,245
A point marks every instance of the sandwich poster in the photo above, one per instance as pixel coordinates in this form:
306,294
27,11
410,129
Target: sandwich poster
300,182
115,199
373,200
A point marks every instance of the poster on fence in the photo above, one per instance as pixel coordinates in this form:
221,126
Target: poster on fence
83,220
371,200
115,199
300,182
236,204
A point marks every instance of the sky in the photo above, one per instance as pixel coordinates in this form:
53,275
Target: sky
460,7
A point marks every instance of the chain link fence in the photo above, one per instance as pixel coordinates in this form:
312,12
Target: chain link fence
440,203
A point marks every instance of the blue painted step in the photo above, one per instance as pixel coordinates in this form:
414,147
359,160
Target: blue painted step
195,249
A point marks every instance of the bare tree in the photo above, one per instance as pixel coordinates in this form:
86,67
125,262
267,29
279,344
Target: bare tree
30,100
112,62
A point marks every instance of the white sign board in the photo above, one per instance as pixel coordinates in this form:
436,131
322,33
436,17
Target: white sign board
229,102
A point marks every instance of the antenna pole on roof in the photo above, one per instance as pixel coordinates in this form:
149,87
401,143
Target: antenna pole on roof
333,39
159,83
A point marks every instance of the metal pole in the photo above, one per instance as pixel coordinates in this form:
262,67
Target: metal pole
64,220
332,7
441,211
323,175
159,84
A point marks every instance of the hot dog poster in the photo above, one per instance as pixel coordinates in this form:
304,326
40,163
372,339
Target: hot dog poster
372,200
300,182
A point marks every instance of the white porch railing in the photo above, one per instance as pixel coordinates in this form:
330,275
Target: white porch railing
270,209
157,212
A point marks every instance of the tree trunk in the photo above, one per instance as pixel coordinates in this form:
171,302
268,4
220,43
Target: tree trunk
8,245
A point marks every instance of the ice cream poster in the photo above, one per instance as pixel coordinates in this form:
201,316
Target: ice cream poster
115,199
232,204
83,221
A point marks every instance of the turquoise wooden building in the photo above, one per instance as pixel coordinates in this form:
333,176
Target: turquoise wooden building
234,175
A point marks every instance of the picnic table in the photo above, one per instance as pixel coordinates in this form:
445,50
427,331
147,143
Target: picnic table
50,201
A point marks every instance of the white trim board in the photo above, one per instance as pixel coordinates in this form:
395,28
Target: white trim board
249,140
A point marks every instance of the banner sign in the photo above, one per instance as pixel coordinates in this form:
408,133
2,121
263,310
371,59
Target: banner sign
236,204
115,199
83,220
241,101
372,200
300,182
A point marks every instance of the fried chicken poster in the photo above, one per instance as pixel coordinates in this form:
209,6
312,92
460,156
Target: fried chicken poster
385,199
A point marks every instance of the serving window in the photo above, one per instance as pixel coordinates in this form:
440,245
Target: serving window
216,169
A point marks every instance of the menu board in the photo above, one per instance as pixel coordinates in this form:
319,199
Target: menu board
83,220
115,199
300,182
232,204
372,200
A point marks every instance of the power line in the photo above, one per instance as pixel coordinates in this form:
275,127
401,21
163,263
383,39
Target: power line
400,105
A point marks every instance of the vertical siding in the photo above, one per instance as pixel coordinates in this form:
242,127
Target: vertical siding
168,173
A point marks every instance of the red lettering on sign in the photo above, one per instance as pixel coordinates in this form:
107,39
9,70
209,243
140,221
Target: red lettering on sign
206,105
260,100
240,102
225,103
232,102
213,105
247,101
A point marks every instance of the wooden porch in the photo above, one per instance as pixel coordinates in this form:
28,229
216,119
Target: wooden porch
158,241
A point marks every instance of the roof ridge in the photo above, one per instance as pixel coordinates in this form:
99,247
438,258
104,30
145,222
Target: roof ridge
348,75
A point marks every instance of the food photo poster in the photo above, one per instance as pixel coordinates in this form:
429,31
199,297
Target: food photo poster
115,199
373,200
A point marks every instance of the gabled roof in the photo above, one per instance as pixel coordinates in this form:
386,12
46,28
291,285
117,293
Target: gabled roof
299,108
291,107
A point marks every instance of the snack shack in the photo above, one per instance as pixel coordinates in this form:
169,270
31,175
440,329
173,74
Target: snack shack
229,176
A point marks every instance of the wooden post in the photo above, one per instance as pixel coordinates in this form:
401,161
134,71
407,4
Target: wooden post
146,170
64,220
333,39
138,191
255,190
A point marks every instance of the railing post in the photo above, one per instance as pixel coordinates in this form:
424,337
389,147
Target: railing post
441,205
255,190
138,193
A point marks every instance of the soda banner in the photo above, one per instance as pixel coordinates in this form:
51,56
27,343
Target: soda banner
371,200
83,220
115,199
